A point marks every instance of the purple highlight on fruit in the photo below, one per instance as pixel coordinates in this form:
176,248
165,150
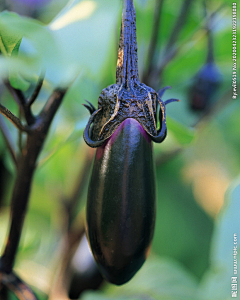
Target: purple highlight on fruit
133,125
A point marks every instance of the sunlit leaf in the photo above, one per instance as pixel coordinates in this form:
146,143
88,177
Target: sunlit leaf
9,42
76,11
85,33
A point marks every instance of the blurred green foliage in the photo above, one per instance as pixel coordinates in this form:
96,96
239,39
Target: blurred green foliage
77,47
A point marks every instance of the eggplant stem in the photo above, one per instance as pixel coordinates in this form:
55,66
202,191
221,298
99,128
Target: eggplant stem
127,65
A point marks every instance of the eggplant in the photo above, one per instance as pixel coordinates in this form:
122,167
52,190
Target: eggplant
121,205
206,83
208,79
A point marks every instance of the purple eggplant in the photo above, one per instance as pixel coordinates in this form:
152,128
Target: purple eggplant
207,80
206,84
121,203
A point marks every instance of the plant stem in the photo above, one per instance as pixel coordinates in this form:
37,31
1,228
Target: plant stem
154,40
52,105
171,52
20,196
8,139
20,99
127,65
17,94
210,54
180,22
11,117
17,286
171,49
24,177
20,139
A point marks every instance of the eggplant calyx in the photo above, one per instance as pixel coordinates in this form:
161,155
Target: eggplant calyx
87,132
90,107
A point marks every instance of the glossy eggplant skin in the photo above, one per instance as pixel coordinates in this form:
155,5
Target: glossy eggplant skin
121,203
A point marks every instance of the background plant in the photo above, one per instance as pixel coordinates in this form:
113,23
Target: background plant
74,47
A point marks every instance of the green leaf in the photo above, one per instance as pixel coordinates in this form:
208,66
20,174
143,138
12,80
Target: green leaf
15,78
18,82
16,47
9,46
9,42
216,283
21,71
40,49
183,134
